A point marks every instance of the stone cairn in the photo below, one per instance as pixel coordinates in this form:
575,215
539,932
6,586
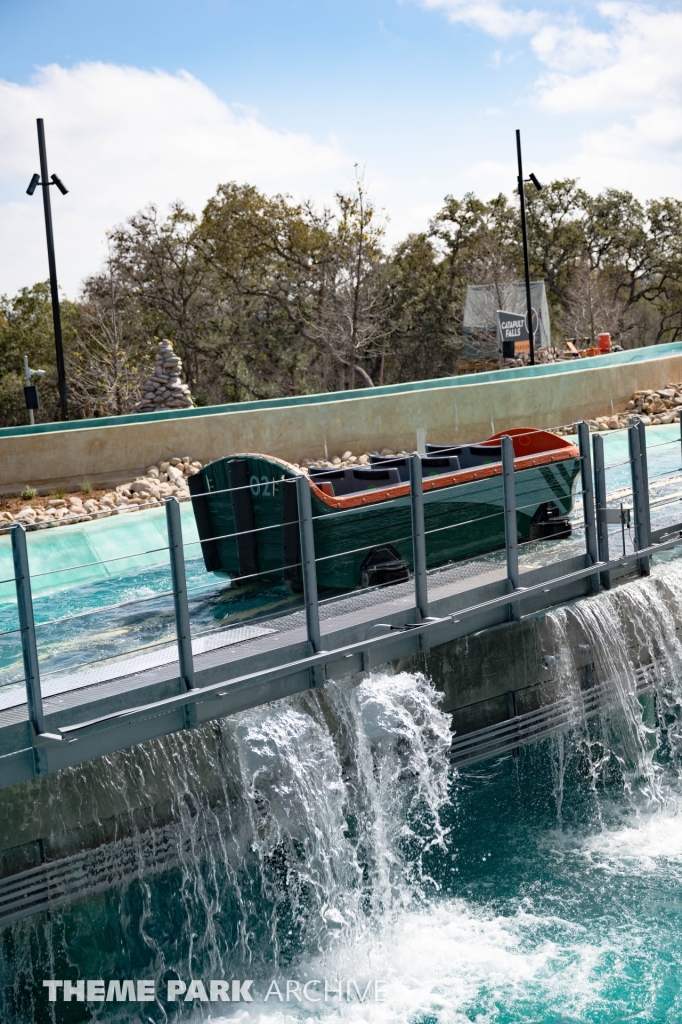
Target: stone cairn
164,389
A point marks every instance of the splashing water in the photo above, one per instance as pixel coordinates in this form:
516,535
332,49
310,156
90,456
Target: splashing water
324,837
286,831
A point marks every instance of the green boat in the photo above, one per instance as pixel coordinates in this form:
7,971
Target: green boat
247,517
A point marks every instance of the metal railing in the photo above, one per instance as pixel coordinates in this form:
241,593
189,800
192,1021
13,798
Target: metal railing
596,517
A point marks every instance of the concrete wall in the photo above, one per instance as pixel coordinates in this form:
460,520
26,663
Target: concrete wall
468,409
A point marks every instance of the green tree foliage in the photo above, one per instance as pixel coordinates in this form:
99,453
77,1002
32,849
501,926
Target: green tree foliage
26,329
263,296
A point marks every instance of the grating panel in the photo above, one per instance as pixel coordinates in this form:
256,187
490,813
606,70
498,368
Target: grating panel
52,685
546,721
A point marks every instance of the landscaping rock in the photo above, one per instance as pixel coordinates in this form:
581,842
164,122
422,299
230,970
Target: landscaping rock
651,407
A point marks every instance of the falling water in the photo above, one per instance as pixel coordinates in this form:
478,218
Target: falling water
282,834
325,837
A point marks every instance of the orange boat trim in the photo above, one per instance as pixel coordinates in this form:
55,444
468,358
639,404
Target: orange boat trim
521,436
461,476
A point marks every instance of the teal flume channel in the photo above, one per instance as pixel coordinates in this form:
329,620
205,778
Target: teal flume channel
326,837
637,355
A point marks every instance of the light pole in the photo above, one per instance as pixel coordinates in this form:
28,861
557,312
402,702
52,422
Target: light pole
524,232
44,181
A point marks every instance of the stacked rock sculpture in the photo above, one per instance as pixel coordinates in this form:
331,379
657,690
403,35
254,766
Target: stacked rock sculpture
164,389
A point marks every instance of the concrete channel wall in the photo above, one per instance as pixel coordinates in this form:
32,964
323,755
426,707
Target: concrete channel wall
459,409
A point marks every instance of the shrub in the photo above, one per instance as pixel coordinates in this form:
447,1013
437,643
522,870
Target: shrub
28,493
87,487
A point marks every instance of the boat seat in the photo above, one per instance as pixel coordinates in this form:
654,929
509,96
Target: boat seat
437,465
443,449
470,455
431,465
483,455
401,465
355,480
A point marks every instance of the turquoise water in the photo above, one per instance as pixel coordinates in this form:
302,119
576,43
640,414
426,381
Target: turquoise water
101,590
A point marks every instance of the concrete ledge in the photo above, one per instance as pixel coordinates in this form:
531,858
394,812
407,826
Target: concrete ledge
456,410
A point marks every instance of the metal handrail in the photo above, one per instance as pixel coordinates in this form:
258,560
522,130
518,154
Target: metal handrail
430,626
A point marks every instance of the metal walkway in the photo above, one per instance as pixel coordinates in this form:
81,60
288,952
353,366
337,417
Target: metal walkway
54,723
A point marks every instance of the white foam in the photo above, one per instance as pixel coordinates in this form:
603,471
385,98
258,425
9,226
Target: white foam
449,961
651,843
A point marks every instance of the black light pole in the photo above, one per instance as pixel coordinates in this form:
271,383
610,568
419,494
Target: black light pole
524,232
43,180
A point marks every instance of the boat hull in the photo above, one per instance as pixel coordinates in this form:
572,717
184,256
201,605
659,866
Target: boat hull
461,520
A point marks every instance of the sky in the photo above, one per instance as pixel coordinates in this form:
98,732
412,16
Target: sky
149,101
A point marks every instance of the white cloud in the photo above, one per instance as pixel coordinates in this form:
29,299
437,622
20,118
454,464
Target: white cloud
614,64
636,65
121,137
569,46
608,98
491,16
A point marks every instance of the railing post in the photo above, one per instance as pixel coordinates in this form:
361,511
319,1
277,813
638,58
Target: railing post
179,582
421,592
309,573
511,536
591,544
29,648
600,500
645,477
638,502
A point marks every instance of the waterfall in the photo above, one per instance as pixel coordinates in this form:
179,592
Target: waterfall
275,837
627,643
325,837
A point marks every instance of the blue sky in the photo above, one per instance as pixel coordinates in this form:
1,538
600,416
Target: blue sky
151,101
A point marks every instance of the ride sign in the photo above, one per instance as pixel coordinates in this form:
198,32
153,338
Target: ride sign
512,332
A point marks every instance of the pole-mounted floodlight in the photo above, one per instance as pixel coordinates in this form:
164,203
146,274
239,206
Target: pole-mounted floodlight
524,232
45,181
63,189
532,178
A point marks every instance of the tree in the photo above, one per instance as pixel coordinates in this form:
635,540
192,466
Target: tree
264,296
556,233
26,329
111,354
422,313
348,323
264,256
155,261
592,306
